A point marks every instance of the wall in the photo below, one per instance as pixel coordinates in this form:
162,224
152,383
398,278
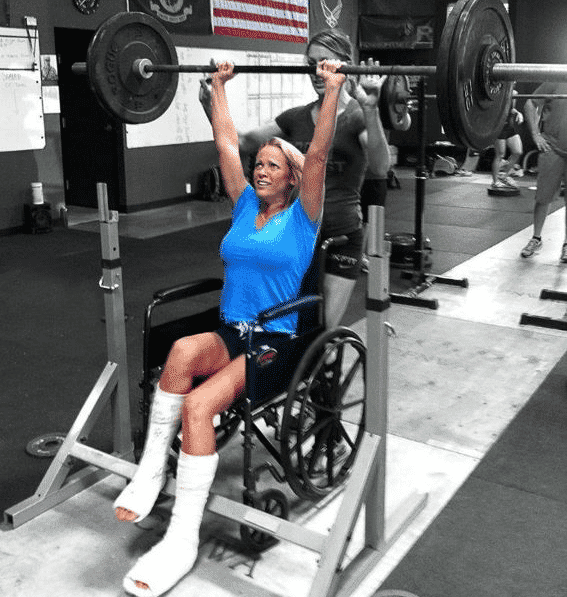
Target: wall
153,175
157,174
21,168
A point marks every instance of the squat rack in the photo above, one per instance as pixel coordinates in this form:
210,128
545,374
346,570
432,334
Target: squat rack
366,485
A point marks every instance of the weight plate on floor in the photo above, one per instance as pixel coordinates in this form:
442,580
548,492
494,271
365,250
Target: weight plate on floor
125,94
46,445
473,108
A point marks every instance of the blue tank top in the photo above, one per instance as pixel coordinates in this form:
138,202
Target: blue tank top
265,267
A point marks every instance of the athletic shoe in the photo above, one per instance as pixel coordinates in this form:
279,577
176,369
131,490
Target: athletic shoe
364,264
563,257
509,182
499,184
533,246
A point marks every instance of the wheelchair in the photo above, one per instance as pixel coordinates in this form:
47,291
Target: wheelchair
299,403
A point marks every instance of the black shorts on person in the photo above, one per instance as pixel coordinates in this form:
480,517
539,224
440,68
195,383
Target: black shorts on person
235,336
345,260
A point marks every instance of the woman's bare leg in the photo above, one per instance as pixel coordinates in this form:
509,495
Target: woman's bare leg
201,405
202,354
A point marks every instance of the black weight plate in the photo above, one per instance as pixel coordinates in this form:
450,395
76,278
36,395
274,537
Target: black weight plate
470,116
117,44
393,102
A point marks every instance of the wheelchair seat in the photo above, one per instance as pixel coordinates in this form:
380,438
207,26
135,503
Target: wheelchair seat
311,393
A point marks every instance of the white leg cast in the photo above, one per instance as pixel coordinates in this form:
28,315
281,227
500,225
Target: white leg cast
140,495
174,556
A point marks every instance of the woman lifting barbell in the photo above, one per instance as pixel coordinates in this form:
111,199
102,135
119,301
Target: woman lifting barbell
266,253
359,143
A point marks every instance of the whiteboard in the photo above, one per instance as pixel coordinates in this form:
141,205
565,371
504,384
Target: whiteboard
21,108
253,98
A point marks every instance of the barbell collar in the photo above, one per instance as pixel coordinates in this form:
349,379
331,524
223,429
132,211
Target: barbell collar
79,68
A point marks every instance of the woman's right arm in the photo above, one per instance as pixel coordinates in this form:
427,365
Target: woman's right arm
225,135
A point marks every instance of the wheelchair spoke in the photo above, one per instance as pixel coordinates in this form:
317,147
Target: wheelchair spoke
317,452
315,430
349,377
346,436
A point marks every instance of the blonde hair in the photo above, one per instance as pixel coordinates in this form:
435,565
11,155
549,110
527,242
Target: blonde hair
295,160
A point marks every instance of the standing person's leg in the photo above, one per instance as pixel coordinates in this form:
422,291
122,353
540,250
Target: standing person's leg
499,151
338,291
516,150
342,269
550,173
514,144
563,257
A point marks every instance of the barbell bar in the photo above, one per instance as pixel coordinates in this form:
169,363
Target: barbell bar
133,70
432,96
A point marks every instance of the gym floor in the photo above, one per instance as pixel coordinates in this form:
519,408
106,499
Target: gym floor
458,376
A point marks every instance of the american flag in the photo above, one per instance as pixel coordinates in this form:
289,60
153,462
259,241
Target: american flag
265,19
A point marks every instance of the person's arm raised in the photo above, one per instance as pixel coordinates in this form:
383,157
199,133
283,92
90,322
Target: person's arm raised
312,189
373,139
249,140
225,135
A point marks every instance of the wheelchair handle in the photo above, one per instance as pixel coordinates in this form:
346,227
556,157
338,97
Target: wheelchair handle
334,240
288,307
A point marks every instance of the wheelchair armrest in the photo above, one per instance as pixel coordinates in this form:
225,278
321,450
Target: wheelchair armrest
187,290
288,307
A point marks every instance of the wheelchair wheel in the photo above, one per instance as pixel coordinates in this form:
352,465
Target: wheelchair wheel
323,418
271,501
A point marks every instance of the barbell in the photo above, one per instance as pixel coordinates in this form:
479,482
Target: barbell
133,70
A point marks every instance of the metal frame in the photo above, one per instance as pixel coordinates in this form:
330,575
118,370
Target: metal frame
111,387
365,487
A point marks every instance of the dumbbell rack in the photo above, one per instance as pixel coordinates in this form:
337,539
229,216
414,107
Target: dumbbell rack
366,485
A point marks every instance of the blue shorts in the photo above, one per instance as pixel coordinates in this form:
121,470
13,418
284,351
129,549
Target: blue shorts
235,338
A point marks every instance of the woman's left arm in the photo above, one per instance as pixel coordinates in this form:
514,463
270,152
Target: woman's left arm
312,189
373,139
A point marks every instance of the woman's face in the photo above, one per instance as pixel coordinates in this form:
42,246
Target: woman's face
271,173
315,54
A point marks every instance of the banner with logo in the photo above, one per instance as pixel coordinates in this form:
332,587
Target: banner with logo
262,19
178,16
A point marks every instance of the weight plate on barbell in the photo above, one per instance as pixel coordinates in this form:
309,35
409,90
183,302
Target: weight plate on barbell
394,102
472,106
125,94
